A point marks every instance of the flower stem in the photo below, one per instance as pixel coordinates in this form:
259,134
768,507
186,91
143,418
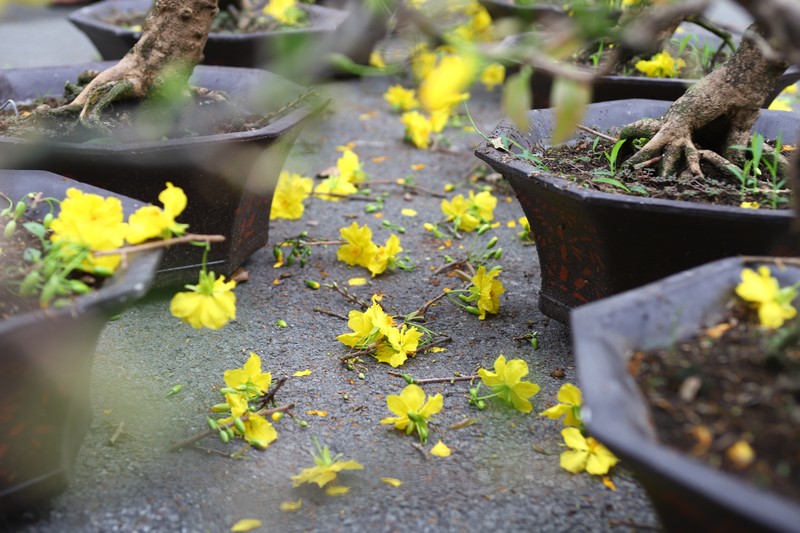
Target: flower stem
435,380
189,237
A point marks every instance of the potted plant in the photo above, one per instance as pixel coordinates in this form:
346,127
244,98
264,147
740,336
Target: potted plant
229,174
593,244
47,356
697,318
259,41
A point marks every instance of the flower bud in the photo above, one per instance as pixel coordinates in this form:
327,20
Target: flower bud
29,283
422,430
227,390
223,436
102,271
473,310
220,408
484,228
303,235
212,424
311,284
230,432
19,210
237,422
492,243
278,253
481,405
10,228
302,423
277,417
47,220
281,324
78,287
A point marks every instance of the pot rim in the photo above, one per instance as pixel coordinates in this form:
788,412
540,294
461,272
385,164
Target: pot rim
617,412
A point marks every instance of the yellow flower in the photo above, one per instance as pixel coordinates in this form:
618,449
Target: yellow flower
586,454
249,375
334,185
211,303
570,407
93,222
385,256
349,167
151,222
483,205
284,11
326,468
246,524
661,65
506,382
418,128
457,210
376,60
422,61
259,431
750,205
780,104
439,119
237,404
400,344
486,291
400,99
287,202
413,410
358,248
774,303
443,86
493,75
368,327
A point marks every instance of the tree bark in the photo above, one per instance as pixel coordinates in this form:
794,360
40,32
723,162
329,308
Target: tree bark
173,37
728,100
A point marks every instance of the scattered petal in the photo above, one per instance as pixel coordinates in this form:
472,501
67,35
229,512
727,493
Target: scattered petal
417,166
318,413
380,159
511,224
437,349
246,524
741,454
291,506
440,450
408,212
354,282
337,490
392,481
301,373
367,116
608,483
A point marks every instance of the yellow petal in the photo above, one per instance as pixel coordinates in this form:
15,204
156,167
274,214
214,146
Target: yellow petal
574,461
354,282
417,166
408,212
440,450
608,483
301,373
317,413
246,524
291,506
392,481
337,490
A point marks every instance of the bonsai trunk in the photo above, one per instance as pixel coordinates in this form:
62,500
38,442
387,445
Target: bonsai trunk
714,114
173,37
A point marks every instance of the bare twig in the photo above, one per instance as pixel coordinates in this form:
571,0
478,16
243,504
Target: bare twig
597,133
424,309
117,433
330,313
344,292
189,237
344,196
434,380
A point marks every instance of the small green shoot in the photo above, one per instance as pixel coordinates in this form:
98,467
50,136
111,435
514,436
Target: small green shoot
613,182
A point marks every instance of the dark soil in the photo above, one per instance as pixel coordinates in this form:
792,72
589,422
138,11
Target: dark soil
228,20
587,165
13,270
207,114
709,392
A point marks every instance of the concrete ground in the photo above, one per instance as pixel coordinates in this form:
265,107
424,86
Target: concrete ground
504,472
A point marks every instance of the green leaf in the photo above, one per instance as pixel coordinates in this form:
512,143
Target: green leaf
35,228
613,182
517,98
569,98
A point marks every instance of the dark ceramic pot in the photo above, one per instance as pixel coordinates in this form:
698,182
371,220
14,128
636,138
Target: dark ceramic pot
593,244
254,50
229,178
687,494
533,12
45,364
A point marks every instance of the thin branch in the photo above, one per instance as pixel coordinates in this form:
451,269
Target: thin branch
344,292
434,380
330,313
344,196
597,133
152,245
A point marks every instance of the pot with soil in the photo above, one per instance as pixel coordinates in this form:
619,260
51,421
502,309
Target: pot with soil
683,382
46,354
595,243
238,38
225,153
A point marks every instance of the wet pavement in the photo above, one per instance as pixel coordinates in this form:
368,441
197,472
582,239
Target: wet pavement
504,472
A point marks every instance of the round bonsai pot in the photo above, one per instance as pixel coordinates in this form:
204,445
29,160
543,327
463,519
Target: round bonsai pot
306,47
688,494
228,178
594,244
45,364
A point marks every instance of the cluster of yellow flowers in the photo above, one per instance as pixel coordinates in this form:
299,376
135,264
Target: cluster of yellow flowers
485,291
360,250
773,302
243,388
287,12
469,213
375,331
661,65
290,192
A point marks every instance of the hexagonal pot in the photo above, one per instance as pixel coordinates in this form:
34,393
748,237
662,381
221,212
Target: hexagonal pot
594,244
229,178
45,364
688,494
253,50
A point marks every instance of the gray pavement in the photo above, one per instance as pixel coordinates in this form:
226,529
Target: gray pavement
504,473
